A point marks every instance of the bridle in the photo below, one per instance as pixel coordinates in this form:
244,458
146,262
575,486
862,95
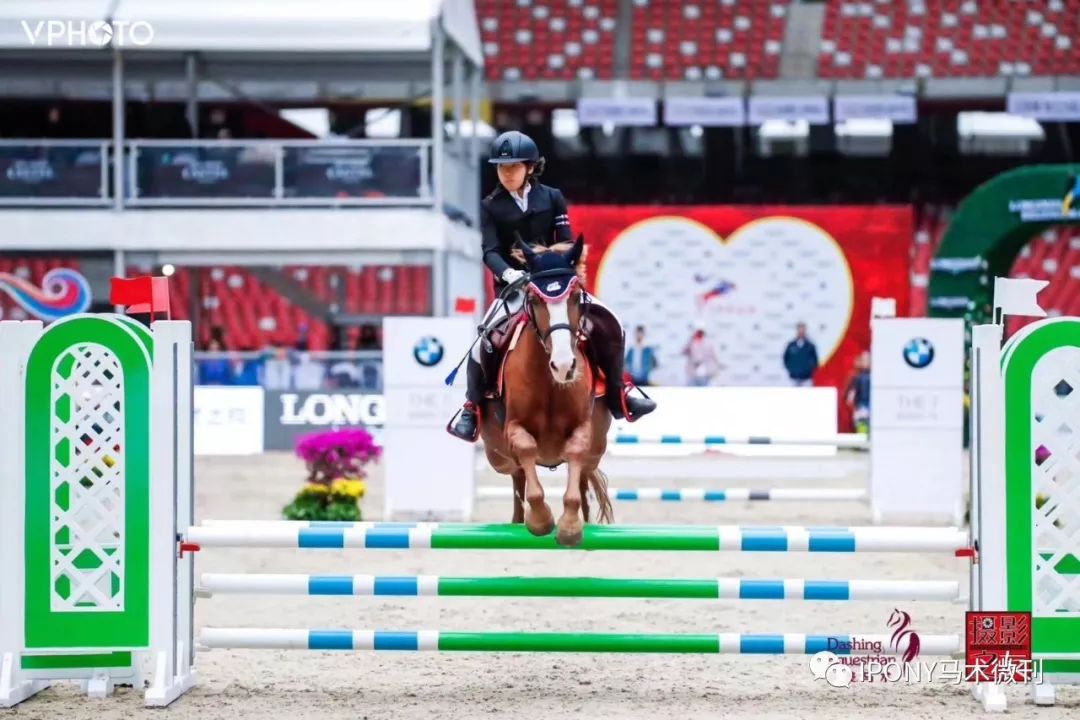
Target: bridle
530,282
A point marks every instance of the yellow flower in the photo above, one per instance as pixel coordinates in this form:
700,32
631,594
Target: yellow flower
348,488
314,489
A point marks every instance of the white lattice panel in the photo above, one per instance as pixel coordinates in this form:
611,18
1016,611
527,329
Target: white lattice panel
1056,477
87,518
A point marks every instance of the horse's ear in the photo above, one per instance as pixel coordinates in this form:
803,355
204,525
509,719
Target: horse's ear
575,252
528,252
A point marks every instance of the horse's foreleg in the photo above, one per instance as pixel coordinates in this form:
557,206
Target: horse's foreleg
538,517
519,496
571,525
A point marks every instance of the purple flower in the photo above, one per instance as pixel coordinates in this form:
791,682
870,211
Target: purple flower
338,453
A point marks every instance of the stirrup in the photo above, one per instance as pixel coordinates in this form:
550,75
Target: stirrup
628,387
453,421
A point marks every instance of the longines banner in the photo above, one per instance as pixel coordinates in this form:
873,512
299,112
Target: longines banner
747,275
292,414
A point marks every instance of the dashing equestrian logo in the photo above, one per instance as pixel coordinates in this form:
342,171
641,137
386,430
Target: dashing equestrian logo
918,353
428,351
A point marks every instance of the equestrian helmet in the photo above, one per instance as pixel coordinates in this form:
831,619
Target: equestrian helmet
512,147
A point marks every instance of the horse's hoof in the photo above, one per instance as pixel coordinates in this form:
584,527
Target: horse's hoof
540,523
541,529
570,538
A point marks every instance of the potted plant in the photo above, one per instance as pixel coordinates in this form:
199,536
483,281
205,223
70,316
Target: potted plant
335,462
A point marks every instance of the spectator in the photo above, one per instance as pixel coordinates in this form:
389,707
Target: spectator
215,370
858,394
801,358
702,365
369,339
277,369
345,374
640,358
247,369
308,373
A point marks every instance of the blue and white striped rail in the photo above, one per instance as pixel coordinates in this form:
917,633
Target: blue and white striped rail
715,588
452,536
442,641
704,494
843,440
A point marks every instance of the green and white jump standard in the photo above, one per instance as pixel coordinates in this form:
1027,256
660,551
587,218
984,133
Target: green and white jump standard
96,434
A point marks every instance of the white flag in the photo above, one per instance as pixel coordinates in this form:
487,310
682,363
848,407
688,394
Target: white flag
1019,296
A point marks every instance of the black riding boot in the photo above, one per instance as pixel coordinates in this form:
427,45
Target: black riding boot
606,342
467,424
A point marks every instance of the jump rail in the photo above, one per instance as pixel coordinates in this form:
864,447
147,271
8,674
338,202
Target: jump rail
704,589
706,495
843,440
439,641
597,537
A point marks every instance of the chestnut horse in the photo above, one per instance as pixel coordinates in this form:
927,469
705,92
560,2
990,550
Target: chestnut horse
551,413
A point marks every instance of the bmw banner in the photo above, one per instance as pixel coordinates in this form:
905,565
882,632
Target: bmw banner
917,412
429,474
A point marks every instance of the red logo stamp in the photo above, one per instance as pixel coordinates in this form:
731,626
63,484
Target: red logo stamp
998,646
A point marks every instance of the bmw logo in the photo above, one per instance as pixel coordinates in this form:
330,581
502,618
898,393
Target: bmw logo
918,353
428,351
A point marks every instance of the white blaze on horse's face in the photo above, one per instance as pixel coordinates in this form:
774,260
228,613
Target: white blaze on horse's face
562,362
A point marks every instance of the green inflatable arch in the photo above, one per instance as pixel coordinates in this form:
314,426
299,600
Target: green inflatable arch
988,231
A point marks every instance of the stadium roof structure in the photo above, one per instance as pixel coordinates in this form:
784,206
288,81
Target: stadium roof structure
241,26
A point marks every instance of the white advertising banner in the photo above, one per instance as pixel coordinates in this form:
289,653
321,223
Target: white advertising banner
900,109
917,415
228,420
632,111
705,111
1049,106
812,108
429,474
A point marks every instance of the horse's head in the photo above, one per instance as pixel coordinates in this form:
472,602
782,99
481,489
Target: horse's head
555,304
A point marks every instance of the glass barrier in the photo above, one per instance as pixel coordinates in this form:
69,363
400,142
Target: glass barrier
185,171
54,172
370,172
280,172
293,370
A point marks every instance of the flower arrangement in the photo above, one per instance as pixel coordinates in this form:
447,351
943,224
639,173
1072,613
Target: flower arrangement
335,462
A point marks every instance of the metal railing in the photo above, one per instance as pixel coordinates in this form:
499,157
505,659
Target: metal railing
219,172
360,370
279,172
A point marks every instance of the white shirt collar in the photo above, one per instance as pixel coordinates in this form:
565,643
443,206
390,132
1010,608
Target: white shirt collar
522,201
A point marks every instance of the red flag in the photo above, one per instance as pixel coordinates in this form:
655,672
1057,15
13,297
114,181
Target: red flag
465,305
141,294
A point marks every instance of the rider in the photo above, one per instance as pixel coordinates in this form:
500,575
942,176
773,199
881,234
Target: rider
522,206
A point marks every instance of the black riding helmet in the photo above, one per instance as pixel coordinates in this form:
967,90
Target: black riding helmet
512,147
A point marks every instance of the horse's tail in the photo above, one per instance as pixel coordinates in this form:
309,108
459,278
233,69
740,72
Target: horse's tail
597,481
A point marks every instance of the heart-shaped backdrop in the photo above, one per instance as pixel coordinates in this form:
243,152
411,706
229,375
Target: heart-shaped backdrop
747,275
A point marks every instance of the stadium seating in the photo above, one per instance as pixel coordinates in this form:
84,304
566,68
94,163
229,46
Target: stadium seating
548,39
253,315
1053,256
869,39
710,39
930,228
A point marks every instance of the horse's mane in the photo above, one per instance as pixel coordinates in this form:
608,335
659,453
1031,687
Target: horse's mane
561,248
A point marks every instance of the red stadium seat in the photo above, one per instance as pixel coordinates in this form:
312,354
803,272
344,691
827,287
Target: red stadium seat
707,40
548,39
949,38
